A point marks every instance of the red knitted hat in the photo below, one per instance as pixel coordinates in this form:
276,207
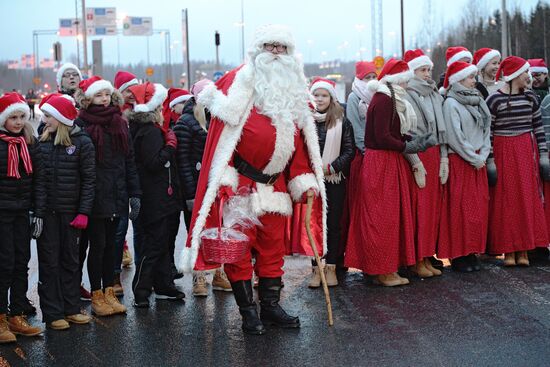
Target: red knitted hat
483,56
458,71
416,59
124,79
322,83
456,53
512,67
61,107
10,103
395,71
95,84
364,68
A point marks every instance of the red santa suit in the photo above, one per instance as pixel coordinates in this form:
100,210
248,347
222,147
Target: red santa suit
285,147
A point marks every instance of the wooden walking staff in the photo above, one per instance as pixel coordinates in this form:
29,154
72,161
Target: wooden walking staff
317,258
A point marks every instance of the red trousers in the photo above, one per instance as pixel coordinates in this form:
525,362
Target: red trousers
268,245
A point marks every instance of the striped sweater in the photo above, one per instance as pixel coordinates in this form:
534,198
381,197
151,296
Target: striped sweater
516,114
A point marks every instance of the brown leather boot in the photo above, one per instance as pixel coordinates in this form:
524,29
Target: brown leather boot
117,286
330,274
99,306
6,336
429,266
421,270
19,325
112,301
510,259
522,259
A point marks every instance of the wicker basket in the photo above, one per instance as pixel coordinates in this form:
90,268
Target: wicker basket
223,251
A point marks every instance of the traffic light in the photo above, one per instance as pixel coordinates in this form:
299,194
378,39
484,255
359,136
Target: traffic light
217,38
57,51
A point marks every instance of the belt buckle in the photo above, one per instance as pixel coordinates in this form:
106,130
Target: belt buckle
272,180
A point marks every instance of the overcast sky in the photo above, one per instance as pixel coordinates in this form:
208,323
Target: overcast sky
324,30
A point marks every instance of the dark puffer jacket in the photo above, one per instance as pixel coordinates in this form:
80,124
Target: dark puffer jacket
18,194
347,146
69,176
156,165
191,140
116,179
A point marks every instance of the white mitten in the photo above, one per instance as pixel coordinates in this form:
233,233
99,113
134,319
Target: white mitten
419,173
444,170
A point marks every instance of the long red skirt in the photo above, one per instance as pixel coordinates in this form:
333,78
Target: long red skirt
516,215
464,210
426,204
352,189
381,233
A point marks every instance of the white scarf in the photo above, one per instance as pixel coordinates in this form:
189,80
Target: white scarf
404,109
331,151
359,87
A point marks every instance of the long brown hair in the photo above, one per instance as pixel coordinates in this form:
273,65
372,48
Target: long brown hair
335,112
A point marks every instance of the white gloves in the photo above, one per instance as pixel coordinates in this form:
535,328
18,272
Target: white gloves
419,173
444,170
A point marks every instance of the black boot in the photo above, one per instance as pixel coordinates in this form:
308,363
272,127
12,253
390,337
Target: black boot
271,312
461,265
474,262
247,307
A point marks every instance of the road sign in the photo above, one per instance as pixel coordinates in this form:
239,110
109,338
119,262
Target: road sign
36,80
137,26
378,62
68,27
217,75
149,71
101,21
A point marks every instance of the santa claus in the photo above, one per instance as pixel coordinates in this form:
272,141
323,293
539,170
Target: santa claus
262,145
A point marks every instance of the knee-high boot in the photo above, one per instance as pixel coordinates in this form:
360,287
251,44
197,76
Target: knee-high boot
244,296
271,313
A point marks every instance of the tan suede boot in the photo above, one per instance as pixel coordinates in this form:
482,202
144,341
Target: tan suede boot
510,259
330,274
390,280
429,266
6,336
19,325
112,301
522,259
78,318
315,280
220,282
117,286
99,306
421,270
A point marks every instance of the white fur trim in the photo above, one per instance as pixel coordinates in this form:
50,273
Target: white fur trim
486,58
266,200
284,146
180,99
324,85
538,69
230,177
46,107
23,107
128,84
462,74
156,100
98,86
64,68
300,184
402,77
460,55
517,73
420,61
274,33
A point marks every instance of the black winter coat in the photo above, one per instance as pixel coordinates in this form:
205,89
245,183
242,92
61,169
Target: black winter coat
347,146
156,166
116,179
191,141
18,194
69,176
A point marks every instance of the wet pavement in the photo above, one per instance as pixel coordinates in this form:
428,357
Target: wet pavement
496,317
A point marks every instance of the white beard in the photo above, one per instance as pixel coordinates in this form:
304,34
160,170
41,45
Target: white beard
280,87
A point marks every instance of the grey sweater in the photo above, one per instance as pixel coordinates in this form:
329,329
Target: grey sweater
357,121
545,110
464,136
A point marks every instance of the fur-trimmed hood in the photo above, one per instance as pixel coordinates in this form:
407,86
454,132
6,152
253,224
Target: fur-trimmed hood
85,102
143,117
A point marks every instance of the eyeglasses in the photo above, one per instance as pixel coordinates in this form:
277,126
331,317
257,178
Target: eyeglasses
69,75
272,46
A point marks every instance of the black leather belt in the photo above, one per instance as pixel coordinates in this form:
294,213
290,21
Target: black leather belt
245,169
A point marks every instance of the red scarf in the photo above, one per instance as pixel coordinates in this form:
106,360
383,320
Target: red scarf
13,157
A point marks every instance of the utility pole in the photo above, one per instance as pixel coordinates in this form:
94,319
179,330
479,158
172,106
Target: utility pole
402,30
84,37
242,28
504,31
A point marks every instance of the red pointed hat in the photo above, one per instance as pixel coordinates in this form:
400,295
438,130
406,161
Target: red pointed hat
458,71
456,53
148,96
46,98
483,56
512,67
61,107
124,80
537,66
177,95
364,68
322,83
417,58
95,84
396,72
10,103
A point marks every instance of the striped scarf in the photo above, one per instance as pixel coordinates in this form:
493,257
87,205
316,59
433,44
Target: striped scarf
13,157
